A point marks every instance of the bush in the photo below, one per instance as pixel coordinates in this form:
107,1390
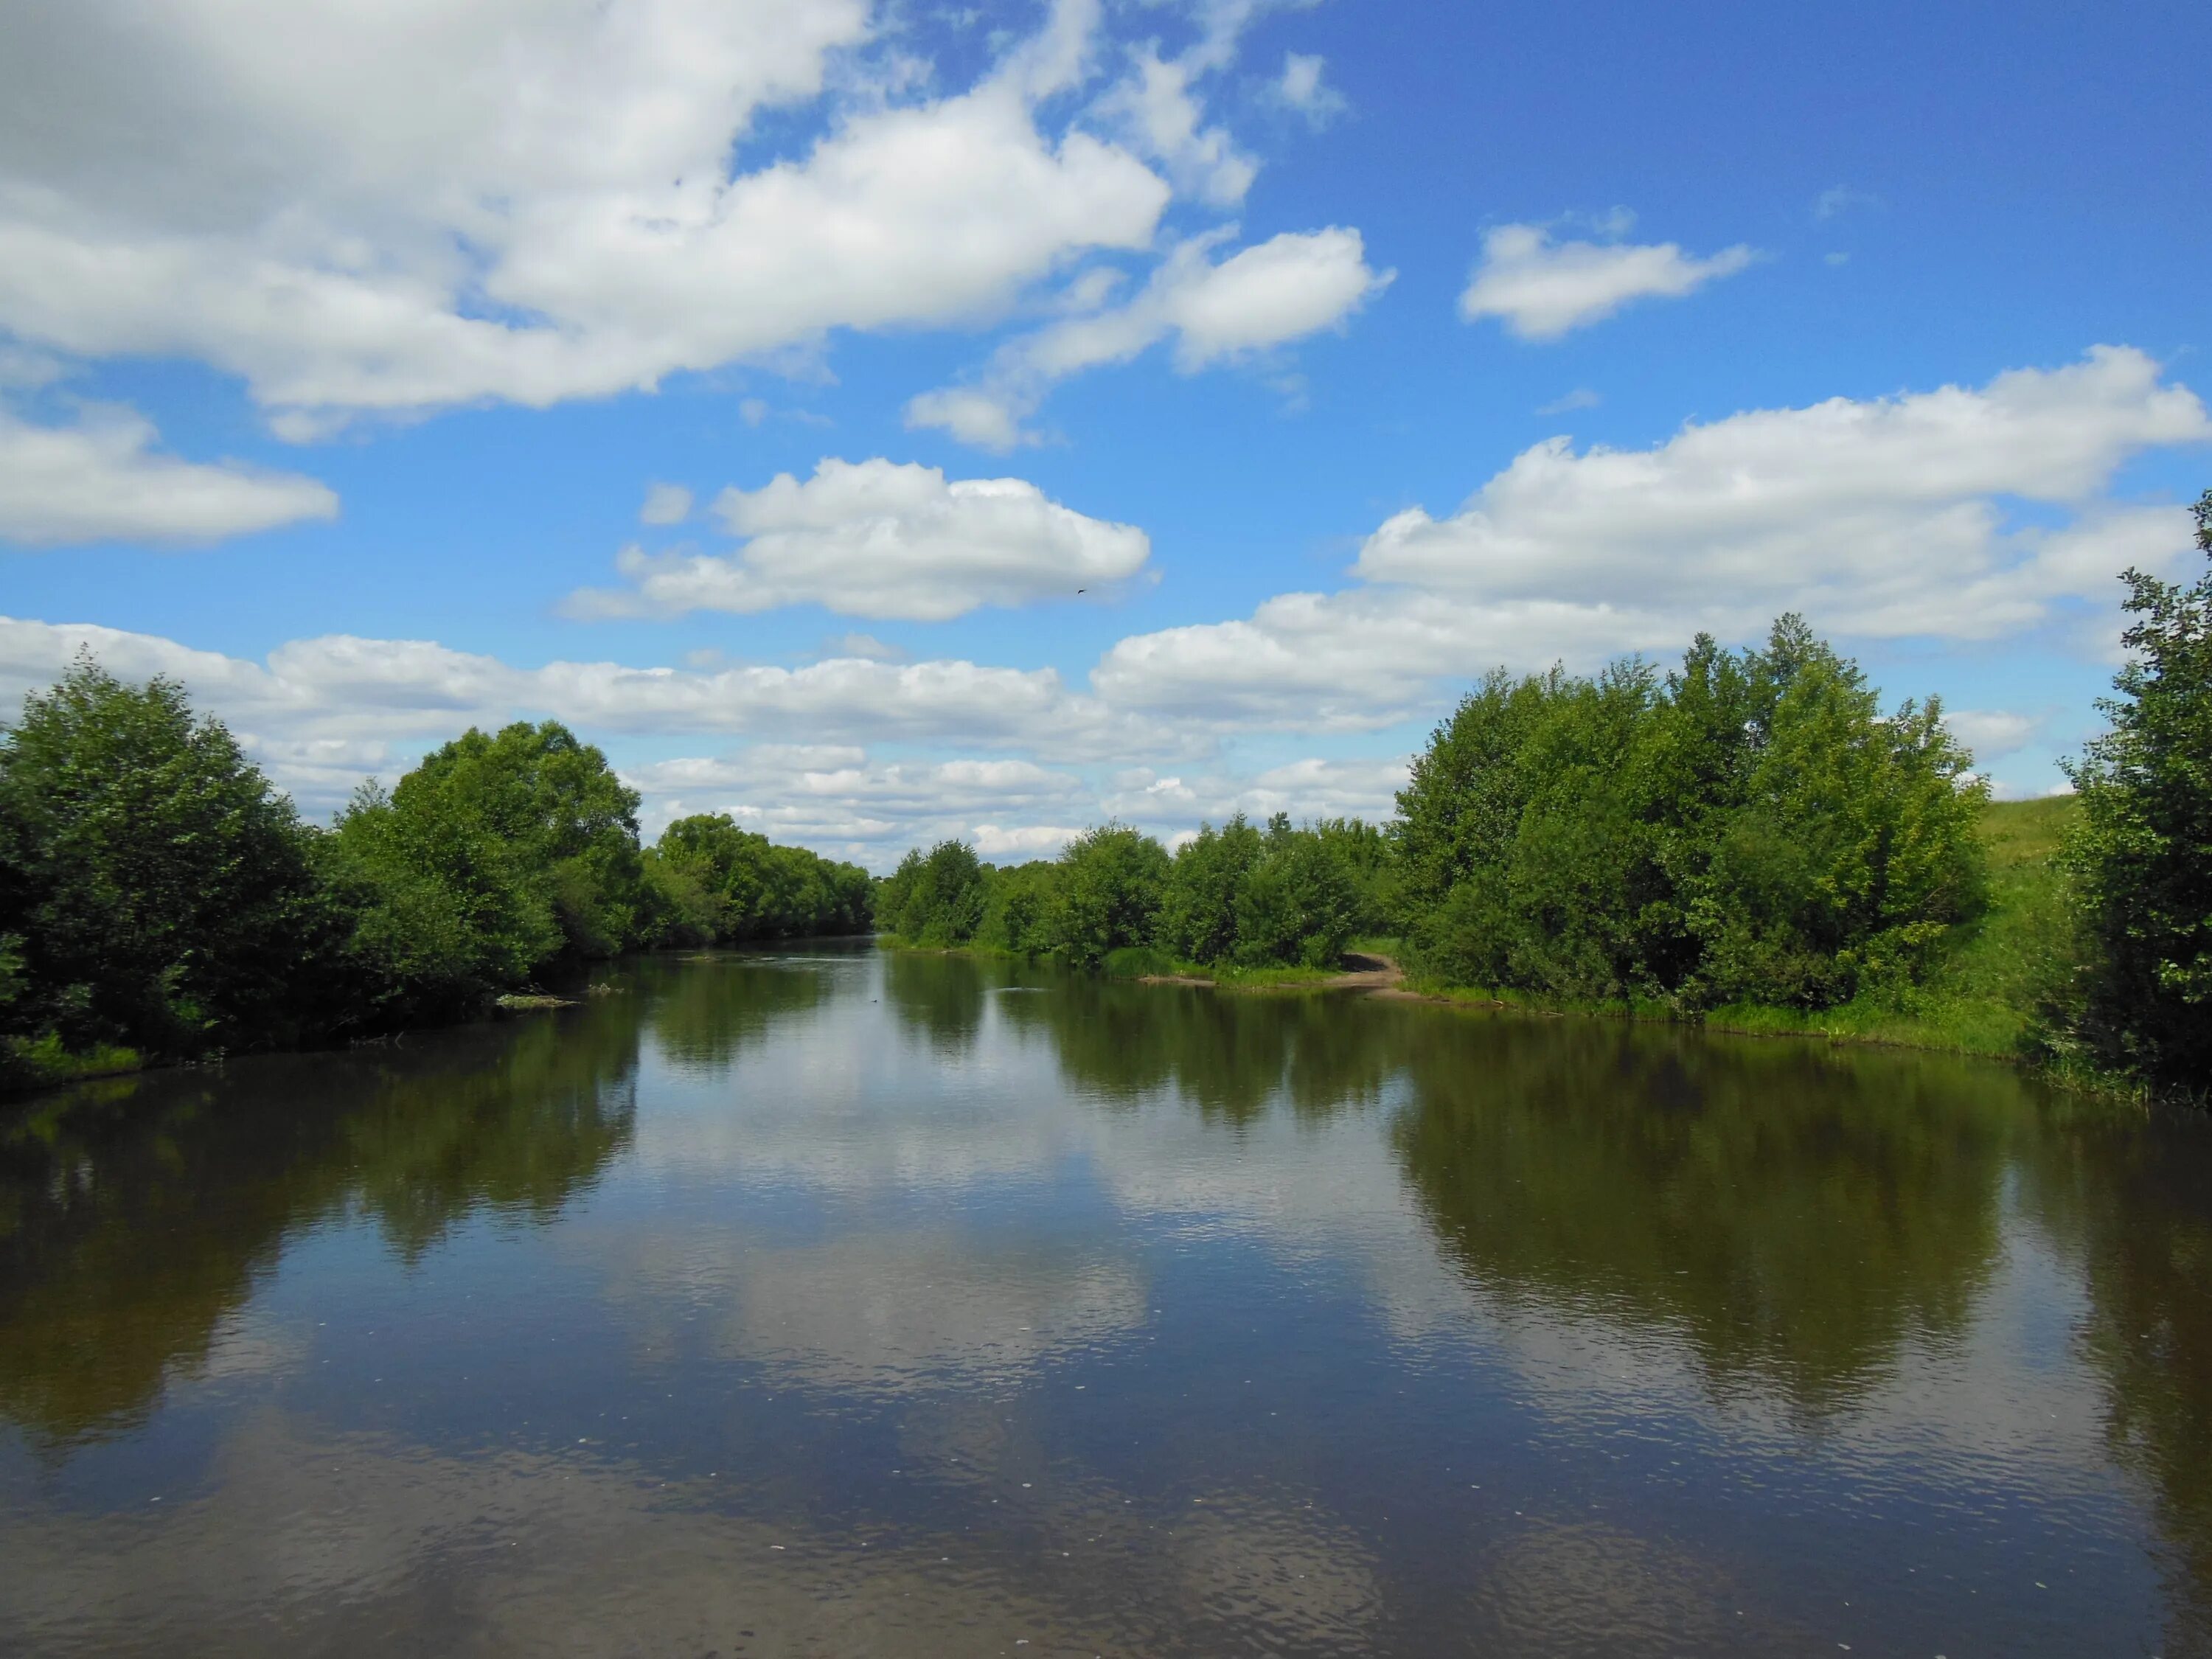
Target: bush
712,883
155,892
1110,883
1751,829
936,898
2142,855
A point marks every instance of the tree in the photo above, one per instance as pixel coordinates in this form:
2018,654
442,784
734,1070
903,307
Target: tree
155,892
2142,856
1752,828
1111,882
495,857
1197,918
935,898
1297,904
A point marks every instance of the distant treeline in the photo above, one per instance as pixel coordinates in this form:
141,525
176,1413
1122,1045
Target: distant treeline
1237,897
159,899
1747,829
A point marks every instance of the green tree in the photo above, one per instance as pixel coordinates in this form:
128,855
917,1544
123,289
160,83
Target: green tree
935,898
1111,883
1752,828
2142,856
1018,914
1197,918
155,892
495,857
1298,903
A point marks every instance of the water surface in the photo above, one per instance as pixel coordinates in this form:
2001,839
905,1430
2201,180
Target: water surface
836,1304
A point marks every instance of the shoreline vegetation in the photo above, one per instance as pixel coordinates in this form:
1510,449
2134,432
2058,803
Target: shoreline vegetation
1987,987
1746,842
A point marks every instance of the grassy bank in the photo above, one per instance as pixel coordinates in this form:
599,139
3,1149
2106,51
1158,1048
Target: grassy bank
1981,997
1995,972
30,1066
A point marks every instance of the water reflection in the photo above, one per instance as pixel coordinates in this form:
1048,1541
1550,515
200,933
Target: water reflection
1794,1225
138,1218
827,1301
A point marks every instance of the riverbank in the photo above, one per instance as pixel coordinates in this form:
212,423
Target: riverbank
1992,981
1985,996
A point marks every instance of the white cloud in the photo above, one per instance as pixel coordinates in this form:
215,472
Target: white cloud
874,539
829,796
865,645
399,208
1992,733
1158,112
1283,289
101,479
320,710
1020,845
666,503
1302,89
1305,789
1580,398
1543,290
1884,518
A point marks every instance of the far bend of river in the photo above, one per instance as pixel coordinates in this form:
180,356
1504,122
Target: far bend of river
836,1304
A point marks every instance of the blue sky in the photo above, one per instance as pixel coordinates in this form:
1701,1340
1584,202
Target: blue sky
1339,351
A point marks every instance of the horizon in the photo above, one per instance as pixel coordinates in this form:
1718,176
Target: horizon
886,426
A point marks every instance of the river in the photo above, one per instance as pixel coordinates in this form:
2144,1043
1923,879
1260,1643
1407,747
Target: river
833,1303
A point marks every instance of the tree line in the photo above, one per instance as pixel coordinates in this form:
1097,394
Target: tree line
158,896
1749,827
1240,896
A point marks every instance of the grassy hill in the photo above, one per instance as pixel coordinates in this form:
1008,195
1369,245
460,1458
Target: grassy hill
1996,970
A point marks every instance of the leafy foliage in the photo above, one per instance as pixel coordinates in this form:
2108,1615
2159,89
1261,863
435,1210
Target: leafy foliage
712,883
1109,893
157,899
2142,855
1751,829
935,898
155,892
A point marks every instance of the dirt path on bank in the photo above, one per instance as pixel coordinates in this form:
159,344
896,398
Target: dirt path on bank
1364,971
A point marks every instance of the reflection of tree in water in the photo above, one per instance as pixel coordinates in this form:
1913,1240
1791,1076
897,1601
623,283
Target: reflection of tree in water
940,997
1795,1213
132,1225
519,1132
705,1011
1228,1053
2135,1199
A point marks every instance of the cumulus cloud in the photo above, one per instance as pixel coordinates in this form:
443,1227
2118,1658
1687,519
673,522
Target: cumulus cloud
1543,290
1285,288
1301,89
1162,118
1305,789
100,478
665,504
321,711
400,209
838,796
1884,518
871,810
874,539
1992,733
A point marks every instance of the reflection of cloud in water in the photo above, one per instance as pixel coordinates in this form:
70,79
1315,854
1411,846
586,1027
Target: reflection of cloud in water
883,1311
1589,1588
306,1542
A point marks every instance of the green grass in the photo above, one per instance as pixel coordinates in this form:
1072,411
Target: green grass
27,1065
1981,997
1995,972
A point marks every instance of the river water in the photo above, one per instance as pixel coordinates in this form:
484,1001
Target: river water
829,1302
